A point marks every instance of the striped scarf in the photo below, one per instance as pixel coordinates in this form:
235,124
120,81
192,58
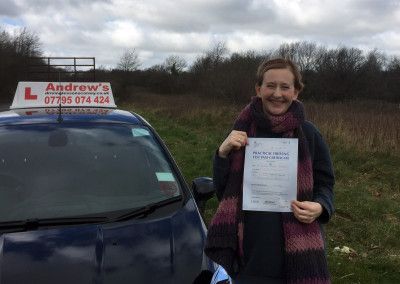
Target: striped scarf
305,259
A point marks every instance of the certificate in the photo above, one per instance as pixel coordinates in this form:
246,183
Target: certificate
270,174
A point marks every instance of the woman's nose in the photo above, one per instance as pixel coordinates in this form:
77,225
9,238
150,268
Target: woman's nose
277,92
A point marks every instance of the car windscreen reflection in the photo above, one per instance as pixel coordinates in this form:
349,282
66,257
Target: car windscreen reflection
64,170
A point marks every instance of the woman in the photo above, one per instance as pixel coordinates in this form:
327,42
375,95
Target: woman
271,247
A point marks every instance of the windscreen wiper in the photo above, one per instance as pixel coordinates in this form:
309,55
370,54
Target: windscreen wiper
145,210
34,224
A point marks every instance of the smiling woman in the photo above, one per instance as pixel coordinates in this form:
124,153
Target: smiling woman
266,246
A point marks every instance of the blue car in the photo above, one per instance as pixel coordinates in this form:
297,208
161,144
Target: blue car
90,194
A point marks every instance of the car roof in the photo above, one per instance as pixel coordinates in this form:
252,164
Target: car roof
51,115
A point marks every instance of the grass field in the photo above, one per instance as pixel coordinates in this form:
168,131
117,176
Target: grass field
364,141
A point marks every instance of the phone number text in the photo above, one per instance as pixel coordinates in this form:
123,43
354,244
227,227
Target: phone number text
76,100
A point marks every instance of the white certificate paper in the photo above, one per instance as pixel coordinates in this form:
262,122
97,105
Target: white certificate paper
270,174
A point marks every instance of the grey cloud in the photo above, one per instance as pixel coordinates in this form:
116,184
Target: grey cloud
187,16
187,28
9,9
374,8
59,5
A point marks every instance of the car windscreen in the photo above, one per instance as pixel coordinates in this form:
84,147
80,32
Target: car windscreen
62,170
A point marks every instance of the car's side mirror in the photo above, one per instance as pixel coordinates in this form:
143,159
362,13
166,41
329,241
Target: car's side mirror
203,189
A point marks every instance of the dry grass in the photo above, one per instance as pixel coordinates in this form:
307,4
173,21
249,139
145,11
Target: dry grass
365,126
182,106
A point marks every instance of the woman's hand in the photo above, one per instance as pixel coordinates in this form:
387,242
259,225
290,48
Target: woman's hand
306,211
235,140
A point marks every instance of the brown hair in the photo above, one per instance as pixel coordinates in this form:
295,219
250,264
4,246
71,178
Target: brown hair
280,63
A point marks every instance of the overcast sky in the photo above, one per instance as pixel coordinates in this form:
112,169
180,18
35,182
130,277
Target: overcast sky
158,28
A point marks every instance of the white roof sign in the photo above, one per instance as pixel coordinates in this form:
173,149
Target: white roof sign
68,94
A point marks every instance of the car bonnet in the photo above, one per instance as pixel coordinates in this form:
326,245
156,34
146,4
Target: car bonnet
167,250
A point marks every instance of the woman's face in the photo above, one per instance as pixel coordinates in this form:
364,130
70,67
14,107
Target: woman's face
277,91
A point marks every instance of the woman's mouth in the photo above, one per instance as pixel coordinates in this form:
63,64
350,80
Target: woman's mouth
276,102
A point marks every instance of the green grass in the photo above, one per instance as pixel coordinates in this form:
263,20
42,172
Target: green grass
367,219
367,191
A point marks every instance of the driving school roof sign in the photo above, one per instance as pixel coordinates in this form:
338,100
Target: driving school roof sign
66,94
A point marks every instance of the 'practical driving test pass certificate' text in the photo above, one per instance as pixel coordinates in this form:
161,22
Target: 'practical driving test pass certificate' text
270,174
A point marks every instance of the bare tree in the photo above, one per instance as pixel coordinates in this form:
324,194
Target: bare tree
217,53
129,60
175,64
394,64
211,59
26,43
303,53
5,41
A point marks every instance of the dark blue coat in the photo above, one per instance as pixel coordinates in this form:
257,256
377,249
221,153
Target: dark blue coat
263,233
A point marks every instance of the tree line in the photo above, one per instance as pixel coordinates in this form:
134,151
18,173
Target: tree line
329,74
335,74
